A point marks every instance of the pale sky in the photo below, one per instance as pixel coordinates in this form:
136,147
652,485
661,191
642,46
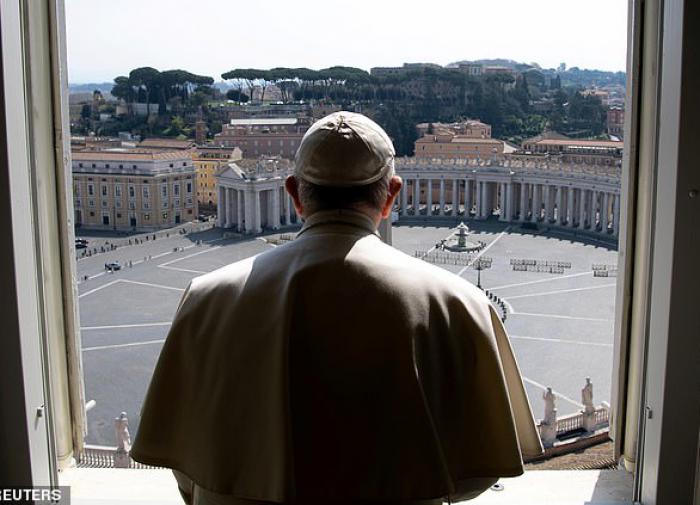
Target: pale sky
107,38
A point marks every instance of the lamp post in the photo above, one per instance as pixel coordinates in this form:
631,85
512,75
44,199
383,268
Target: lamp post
479,264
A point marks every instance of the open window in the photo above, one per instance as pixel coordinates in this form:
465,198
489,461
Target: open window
654,385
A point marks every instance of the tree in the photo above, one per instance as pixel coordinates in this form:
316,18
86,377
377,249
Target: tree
587,113
146,79
176,127
247,76
124,90
236,95
521,93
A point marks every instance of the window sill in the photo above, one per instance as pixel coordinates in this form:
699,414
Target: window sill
108,486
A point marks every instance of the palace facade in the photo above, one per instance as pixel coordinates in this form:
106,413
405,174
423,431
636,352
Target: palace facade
133,189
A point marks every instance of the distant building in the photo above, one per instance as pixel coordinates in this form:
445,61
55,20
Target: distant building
490,70
79,143
473,69
602,94
446,145
200,128
166,144
414,66
386,71
597,152
264,136
616,121
141,109
273,110
406,68
133,189
208,162
472,128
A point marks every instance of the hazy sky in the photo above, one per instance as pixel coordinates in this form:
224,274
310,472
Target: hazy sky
107,38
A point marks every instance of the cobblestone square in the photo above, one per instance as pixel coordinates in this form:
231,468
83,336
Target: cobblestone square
560,325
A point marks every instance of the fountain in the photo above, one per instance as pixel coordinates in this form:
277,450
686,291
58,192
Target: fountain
460,242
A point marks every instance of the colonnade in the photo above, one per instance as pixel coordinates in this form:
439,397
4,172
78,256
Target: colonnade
562,203
250,209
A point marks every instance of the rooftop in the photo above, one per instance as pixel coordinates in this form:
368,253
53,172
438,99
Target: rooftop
166,143
130,155
264,121
445,137
580,143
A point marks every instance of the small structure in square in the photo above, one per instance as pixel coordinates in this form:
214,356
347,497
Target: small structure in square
460,242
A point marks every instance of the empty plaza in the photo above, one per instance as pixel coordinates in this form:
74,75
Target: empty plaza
560,324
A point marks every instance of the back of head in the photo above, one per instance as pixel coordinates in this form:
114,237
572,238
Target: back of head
345,160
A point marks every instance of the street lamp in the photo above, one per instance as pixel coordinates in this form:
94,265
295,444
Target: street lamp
479,264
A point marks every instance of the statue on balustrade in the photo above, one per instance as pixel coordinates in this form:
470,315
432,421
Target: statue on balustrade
550,409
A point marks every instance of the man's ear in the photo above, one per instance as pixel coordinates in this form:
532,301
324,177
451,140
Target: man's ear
292,186
394,187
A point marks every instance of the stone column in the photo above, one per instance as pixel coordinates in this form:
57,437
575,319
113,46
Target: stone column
287,208
249,211
229,207
560,204
467,197
605,212
429,198
616,214
276,208
523,198
442,197
404,197
416,197
510,201
257,228
581,208
594,210
548,211
479,198
502,201
221,207
489,189
484,198
570,214
455,197
536,202
239,211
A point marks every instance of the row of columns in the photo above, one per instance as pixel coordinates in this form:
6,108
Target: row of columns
242,209
515,201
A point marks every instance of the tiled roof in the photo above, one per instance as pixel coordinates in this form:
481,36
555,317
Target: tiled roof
580,143
264,121
166,143
471,140
128,155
